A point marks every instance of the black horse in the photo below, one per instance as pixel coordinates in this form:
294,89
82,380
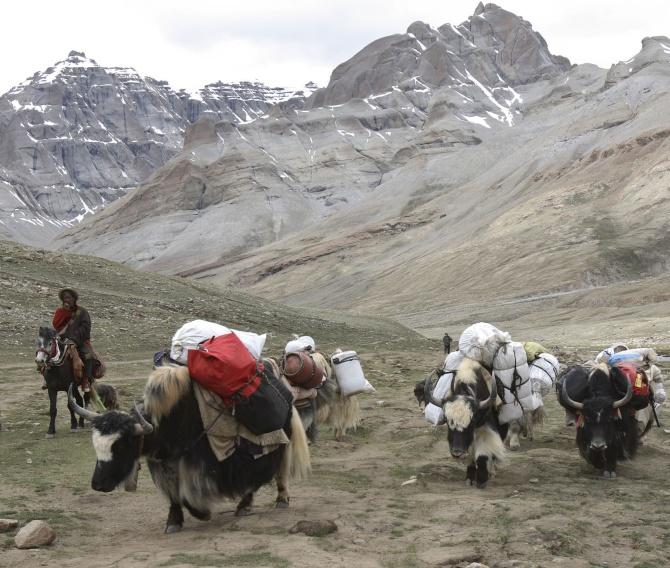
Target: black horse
53,359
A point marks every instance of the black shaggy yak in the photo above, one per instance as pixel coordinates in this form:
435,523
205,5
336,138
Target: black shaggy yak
168,430
606,428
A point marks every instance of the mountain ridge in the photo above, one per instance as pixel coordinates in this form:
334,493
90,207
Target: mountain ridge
78,135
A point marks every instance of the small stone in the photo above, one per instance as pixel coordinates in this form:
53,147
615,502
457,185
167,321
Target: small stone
314,528
410,481
359,541
534,480
380,402
666,430
34,535
8,524
476,565
29,460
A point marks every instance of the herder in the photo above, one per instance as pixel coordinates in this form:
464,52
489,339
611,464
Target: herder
72,322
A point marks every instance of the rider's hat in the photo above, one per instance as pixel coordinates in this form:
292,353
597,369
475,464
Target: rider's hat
70,291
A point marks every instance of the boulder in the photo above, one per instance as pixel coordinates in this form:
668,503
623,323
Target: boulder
34,535
8,524
314,528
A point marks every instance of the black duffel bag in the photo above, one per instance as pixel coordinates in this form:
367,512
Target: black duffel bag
268,408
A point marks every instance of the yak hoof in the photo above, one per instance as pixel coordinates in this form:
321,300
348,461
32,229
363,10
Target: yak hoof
74,430
482,485
50,435
469,482
243,512
609,474
170,529
281,504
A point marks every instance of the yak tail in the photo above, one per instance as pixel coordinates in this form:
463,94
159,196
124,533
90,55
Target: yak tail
538,416
345,414
297,456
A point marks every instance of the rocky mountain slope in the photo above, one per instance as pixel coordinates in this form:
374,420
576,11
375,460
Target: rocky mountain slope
464,165
78,136
137,313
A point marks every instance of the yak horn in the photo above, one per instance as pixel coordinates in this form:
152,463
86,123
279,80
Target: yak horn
146,427
83,412
566,397
626,398
484,404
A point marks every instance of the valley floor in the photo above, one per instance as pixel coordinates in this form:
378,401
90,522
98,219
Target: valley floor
546,507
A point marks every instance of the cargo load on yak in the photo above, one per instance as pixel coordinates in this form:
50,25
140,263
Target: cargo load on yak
510,368
434,411
481,341
193,333
639,382
349,373
258,398
299,368
533,350
543,372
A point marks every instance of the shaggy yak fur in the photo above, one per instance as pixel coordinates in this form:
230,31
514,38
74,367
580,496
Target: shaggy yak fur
607,429
329,407
169,432
473,431
525,426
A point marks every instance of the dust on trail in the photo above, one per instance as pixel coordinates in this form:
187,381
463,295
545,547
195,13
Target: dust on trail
545,507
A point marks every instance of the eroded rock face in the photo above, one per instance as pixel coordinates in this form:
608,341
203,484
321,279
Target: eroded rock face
494,45
390,110
78,136
470,153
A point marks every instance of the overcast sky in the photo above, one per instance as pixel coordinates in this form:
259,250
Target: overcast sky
286,43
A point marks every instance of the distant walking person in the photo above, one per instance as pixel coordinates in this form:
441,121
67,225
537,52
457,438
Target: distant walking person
446,340
72,322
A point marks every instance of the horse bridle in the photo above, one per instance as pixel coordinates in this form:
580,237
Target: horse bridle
54,358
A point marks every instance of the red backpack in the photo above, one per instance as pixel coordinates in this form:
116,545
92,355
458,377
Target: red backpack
224,365
639,383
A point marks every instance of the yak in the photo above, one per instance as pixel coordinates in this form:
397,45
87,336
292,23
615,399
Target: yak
330,407
606,428
474,434
167,429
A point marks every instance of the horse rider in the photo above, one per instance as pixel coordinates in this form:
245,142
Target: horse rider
446,341
72,322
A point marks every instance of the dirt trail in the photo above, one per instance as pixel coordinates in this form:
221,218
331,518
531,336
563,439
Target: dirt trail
546,507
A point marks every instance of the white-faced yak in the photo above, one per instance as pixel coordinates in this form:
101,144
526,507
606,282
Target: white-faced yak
168,431
606,427
473,431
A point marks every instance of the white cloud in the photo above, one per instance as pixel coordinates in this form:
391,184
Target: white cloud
286,43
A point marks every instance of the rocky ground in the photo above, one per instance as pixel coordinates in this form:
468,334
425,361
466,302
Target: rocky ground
545,507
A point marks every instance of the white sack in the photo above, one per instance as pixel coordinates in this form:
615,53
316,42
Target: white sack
453,360
349,373
648,354
503,368
510,355
533,403
192,333
659,393
509,412
434,414
302,343
442,386
481,340
252,341
543,372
